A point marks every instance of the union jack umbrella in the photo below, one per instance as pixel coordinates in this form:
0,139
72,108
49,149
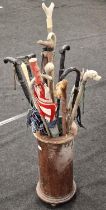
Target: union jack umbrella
47,109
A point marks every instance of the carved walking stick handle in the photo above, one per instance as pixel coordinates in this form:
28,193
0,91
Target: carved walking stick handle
48,11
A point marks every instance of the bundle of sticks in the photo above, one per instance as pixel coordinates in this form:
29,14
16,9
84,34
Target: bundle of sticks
45,97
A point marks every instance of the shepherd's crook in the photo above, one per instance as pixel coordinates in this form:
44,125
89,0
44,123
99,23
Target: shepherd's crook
49,11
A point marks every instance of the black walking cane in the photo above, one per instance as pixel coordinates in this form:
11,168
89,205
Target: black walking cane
62,58
62,67
16,63
75,92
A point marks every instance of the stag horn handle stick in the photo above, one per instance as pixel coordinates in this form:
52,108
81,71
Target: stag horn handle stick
49,12
89,74
60,93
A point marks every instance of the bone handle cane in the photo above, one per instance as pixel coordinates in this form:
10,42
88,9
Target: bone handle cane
49,69
89,74
48,11
25,72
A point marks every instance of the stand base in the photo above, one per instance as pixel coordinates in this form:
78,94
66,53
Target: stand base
52,200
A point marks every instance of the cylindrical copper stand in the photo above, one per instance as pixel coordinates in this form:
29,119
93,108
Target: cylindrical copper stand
55,156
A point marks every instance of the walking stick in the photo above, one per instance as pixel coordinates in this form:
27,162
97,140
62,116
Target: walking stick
20,77
62,59
74,94
62,68
61,94
50,43
89,74
49,70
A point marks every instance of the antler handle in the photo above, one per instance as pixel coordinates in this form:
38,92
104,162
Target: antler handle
48,11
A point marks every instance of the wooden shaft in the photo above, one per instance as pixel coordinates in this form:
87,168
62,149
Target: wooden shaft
49,69
64,112
60,93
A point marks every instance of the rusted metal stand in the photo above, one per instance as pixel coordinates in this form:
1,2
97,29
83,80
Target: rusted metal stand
55,156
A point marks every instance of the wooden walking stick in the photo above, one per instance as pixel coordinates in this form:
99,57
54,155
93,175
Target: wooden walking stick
50,43
89,74
49,70
61,94
74,94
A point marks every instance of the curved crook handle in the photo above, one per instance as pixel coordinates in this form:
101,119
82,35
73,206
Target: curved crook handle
48,11
89,74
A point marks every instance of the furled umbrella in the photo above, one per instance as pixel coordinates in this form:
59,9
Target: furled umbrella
47,108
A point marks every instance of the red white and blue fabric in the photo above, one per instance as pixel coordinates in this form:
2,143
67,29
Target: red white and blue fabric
46,106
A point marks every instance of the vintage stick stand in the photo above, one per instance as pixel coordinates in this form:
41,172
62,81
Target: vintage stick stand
56,184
